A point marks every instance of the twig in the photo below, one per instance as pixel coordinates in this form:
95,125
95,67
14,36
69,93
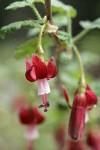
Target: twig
30,145
80,35
48,10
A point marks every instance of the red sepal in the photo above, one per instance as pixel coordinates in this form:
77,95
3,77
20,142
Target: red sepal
76,123
28,63
39,118
90,96
66,96
51,68
30,74
26,115
40,67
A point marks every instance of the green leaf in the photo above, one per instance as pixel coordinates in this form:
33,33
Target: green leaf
29,47
64,37
30,1
26,48
58,6
60,16
42,1
17,25
17,5
21,4
90,24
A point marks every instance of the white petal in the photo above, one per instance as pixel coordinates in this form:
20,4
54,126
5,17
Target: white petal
86,117
46,86
41,89
31,132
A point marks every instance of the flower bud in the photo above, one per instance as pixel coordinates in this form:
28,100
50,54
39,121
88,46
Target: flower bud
77,117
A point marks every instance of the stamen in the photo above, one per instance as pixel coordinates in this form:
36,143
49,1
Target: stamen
45,102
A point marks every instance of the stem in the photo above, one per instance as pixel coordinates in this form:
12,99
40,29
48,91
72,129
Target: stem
82,80
36,12
48,10
40,50
40,39
69,26
30,145
80,35
40,35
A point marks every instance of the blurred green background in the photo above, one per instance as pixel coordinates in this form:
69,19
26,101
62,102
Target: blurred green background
13,82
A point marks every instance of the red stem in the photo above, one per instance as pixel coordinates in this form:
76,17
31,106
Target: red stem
30,145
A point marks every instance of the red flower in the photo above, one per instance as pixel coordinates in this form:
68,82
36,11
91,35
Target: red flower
39,118
80,145
37,70
30,115
91,96
59,136
83,101
93,140
26,115
77,117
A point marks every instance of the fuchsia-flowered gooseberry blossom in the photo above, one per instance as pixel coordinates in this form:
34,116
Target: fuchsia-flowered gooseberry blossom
72,145
30,117
37,70
93,139
83,101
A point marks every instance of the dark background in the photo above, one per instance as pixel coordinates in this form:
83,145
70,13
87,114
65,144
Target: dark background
87,10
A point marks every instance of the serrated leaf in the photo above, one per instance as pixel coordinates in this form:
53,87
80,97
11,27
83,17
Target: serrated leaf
30,1
90,24
17,25
29,47
58,6
17,5
65,38
26,48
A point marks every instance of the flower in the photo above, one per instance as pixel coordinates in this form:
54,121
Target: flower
59,135
91,96
77,118
26,115
93,139
30,115
72,145
37,70
84,100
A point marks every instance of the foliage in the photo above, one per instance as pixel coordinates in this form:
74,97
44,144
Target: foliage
18,25
12,78
90,24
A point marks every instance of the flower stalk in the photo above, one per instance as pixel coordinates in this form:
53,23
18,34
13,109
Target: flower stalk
40,51
30,145
82,76
80,35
